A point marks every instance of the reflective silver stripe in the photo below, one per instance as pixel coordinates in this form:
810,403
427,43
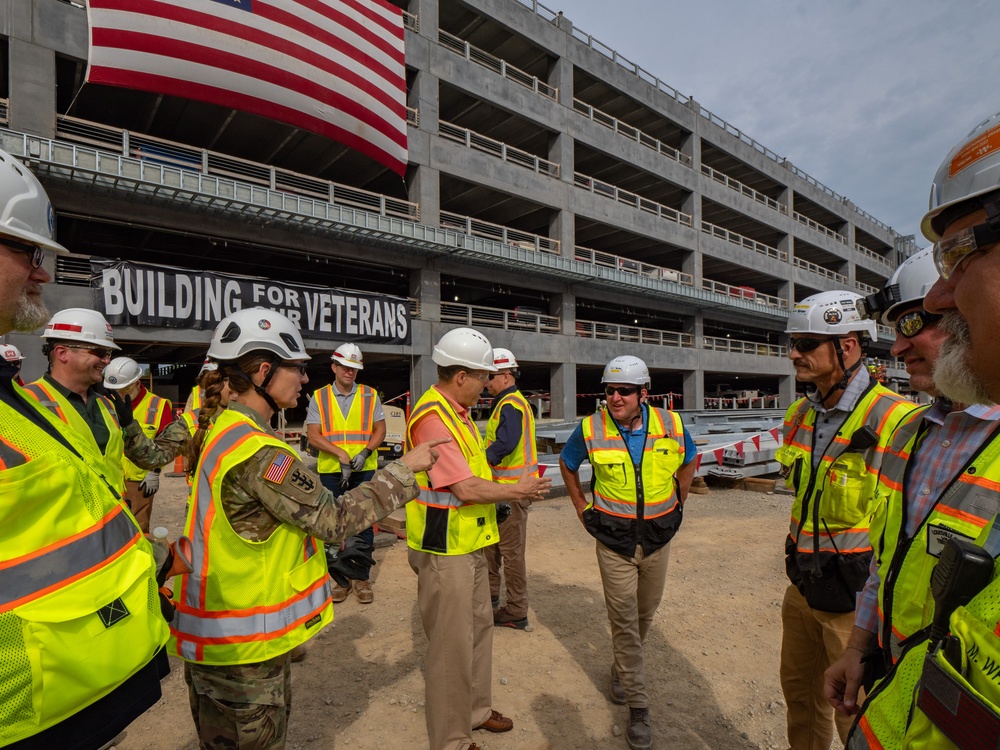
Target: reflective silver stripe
614,507
217,448
348,437
512,472
154,407
11,456
188,648
257,623
51,568
44,399
367,405
845,541
439,499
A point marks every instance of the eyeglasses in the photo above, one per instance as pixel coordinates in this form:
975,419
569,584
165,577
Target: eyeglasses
291,366
950,252
34,252
910,324
621,390
482,377
805,344
98,351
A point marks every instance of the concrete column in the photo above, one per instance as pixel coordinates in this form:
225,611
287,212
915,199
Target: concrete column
786,391
32,88
424,97
694,390
562,390
562,227
693,261
787,245
426,12
425,189
564,305
422,375
786,291
425,285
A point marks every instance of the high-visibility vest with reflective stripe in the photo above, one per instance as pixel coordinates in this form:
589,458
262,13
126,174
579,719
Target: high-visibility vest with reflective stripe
191,420
351,433
79,612
148,413
245,601
114,451
524,454
615,489
963,509
437,521
196,398
844,482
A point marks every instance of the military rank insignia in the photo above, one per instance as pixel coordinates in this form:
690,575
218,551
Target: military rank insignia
302,480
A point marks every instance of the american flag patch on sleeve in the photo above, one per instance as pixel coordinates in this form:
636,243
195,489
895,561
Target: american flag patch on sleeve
278,468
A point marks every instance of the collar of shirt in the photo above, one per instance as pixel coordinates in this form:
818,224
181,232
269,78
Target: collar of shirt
643,408
139,396
852,393
338,392
254,415
71,395
460,410
938,412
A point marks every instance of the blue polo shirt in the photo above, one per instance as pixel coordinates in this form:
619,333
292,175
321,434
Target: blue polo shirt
574,452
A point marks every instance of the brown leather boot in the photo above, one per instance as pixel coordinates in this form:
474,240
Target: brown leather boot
363,590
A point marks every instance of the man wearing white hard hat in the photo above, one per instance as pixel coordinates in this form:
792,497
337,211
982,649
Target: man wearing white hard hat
448,527
921,499
833,442
345,423
154,415
943,691
510,449
12,355
643,461
78,574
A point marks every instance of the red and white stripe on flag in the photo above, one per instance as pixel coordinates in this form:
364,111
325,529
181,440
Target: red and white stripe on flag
333,67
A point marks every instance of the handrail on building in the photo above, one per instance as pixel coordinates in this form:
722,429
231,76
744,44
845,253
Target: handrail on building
610,260
594,329
496,64
738,239
815,268
881,259
497,317
499,149
632,133
745,293
607,190
499,232
169,153
734,184
821,228
737,346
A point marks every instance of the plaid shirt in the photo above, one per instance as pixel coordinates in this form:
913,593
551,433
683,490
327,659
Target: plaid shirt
949,442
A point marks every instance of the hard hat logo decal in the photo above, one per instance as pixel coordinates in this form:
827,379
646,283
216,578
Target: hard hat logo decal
51,218
112,379
264,324
832,316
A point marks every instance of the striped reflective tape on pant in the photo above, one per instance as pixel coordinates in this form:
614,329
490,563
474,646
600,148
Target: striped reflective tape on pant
223,628
31,576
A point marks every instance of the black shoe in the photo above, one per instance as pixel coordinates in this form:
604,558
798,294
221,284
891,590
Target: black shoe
503,619
638,736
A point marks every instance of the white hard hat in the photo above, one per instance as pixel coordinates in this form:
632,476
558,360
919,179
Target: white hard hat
208,366
626,369
971,169
80,324
503,359
464,347
25,211
255,329
910,283
10,353
348,355
830,314
121,373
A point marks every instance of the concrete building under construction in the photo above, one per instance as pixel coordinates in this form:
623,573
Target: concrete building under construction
558,197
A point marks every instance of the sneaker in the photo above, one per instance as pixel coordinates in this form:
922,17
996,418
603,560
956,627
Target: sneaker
339,593
639,736
363,590
616,692
502,618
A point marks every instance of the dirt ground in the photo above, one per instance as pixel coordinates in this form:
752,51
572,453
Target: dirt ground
712,653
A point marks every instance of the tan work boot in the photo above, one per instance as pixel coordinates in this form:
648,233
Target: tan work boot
363,590
339,593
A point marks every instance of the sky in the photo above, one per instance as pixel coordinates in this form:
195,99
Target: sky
866,96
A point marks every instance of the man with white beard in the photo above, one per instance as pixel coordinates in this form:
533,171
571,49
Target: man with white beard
942,689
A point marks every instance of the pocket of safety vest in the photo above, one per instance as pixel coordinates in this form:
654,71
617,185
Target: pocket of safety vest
847,502
666,456
305,575
611,467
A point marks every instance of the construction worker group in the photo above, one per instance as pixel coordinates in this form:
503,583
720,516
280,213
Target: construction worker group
890,622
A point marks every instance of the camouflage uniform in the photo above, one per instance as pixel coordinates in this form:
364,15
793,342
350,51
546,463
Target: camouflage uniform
247,706
150,453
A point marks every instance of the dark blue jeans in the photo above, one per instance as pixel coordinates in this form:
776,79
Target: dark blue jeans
332,483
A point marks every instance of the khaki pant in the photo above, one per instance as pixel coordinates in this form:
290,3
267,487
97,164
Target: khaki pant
810,641
510,553
141,507
453,592
633,588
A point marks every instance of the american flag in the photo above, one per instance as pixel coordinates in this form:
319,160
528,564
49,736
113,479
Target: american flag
334,67
278,468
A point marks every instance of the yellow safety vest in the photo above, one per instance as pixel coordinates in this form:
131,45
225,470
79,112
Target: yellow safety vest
905,565
148,413
925,703
195,398
634,509
525,453
437,521
350,433
114,451
831,511
245,601
78,596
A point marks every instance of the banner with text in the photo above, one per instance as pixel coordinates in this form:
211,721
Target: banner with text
137,294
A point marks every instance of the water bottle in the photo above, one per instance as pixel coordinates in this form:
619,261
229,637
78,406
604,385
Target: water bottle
161,547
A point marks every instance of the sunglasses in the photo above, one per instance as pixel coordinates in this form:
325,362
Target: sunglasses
621,390
301,368
910,324
98,351
34,252
806,344
951,252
